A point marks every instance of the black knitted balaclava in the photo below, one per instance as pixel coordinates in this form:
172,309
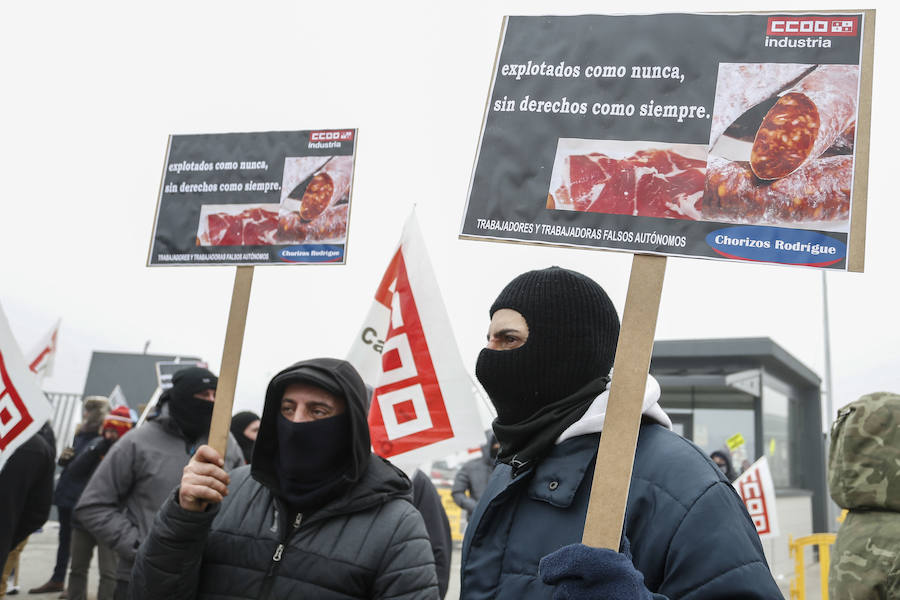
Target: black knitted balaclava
573,329
193,415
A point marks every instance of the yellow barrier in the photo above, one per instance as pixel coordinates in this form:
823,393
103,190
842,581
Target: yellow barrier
454,514
798,583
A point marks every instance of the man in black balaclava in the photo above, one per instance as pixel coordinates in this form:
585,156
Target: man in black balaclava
546,367
315,515
141,470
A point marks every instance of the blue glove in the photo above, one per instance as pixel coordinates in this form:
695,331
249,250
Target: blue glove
579,571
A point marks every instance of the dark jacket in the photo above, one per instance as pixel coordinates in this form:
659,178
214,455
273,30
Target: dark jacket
690,534
369,542
89,449
428,502
134,479
26,486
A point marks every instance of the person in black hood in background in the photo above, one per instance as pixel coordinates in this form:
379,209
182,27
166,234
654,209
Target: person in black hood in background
244,428
316,514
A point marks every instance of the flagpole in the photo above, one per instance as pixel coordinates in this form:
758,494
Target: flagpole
829,397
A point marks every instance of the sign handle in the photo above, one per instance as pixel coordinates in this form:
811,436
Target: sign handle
615,454
231,358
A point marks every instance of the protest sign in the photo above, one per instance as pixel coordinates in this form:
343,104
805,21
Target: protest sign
739,137
757,490
42,355
254,198
23,407
423,405
723,136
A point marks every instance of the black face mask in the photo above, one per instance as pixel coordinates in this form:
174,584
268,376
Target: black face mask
193,415
312,459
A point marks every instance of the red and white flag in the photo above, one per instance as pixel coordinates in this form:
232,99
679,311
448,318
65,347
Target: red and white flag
43,354
424,406
23,407
758,493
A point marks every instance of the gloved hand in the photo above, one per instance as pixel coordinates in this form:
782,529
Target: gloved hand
579,571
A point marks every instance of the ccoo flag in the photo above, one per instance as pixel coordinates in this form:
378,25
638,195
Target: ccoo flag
23,407
42,356
756,489
424,405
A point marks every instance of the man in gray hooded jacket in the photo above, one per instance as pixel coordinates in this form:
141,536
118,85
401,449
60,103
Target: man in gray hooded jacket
142,468
316,514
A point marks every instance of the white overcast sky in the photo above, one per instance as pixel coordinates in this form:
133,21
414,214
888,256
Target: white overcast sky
91,91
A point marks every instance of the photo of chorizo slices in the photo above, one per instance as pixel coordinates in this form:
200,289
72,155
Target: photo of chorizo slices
741,86
817,192
806,121
328,186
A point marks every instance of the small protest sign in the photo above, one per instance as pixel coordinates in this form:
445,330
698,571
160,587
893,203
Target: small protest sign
279,197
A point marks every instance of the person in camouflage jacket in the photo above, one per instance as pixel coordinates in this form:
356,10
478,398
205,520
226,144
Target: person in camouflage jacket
864,477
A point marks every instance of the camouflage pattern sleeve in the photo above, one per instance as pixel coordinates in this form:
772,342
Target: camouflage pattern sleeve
865,558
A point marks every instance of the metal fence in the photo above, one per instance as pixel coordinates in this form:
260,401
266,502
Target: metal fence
65,414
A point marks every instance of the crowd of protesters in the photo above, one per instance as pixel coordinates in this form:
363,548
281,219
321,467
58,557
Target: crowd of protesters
300,507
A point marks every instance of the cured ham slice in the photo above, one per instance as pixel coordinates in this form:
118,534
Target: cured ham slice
651,183
819,191
254,226
806,121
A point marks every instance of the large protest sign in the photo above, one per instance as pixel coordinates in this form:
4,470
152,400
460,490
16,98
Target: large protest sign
722,136
725,136
423,405
23,407
757,490
254,198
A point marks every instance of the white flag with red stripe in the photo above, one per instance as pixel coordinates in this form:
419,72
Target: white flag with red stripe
424,406
757,490
43,354
23,407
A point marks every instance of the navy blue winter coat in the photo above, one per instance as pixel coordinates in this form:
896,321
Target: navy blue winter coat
690,534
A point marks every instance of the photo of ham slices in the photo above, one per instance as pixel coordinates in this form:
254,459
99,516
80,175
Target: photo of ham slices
237,225
649,182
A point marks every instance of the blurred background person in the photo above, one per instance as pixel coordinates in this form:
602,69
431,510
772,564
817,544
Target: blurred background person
140,472
93,411
723,461
244,427
472,478
116,424
26,491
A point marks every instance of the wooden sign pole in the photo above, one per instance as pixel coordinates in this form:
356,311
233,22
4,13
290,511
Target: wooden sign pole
615,455
231,358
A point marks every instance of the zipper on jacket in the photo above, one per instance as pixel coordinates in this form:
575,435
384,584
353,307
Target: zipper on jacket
269,579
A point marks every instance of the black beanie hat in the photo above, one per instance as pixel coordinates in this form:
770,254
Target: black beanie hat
573,329
187,382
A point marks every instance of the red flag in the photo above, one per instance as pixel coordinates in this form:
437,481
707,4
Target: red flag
424,405
758,493
23,407
41,357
